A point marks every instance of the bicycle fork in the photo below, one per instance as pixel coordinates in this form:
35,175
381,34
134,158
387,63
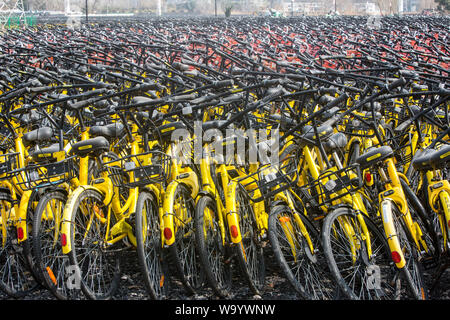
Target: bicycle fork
391,234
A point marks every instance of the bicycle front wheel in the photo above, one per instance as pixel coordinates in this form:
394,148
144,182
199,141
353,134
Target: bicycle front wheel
304,267
95,261
214,255
16,277
361,274
249,251
47,248
183,251
149,248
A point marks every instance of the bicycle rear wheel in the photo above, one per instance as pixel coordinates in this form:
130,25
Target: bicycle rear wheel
51,262
306,270
183,251
249,252
413,270
16,277
149,248
214,255
96,262
359,275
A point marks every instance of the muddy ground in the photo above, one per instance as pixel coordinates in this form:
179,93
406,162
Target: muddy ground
276,287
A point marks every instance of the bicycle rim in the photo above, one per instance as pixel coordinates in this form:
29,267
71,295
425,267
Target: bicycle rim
360,276
183,251
250,253
307,271
213,254
97,263
148,237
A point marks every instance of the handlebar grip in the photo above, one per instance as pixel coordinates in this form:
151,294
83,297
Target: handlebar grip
44,79
222,83
328,90
397,83
270,83
40,89
203,99
183,97
342,98
101,112
234,97
180,66
79,104
409,73
297,77
235,71
325,99
14,94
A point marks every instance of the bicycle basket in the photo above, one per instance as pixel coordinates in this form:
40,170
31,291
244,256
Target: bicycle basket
8,163
139,170
270,179
6,138
333,185
357,128
39,175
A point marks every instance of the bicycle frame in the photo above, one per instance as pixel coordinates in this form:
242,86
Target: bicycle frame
104,185
394,195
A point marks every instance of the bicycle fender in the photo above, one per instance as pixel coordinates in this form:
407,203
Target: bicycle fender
168,211
22,217
390,231
445,202
232,217
434,192
190,179
67,217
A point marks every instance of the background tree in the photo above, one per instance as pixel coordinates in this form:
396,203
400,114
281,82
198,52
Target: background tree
443,5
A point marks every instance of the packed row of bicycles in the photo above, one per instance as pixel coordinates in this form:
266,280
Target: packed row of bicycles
201,144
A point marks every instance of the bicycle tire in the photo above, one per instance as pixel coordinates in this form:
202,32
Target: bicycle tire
149,248
354,274
307,272
109,259
249,252
28,243
183,251
214,255
16,276
47,249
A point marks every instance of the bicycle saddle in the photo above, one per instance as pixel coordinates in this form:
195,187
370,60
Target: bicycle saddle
335,141
113,130
374,155
421,160
323,130
37,135
45,153
430,159
165,131
95,146
441,157
213,124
